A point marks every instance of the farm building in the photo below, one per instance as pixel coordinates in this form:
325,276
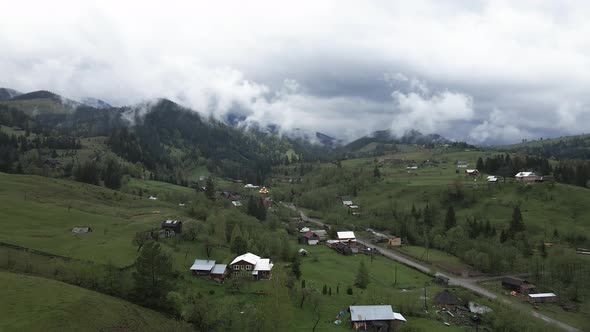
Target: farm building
236,203
347,237
321,234
412,167
374,317
250,265
172,225
526,177
251,186
492,179
518,285
471,172
309,238
81,230
202,267
541,298
219,272
344,249
446,299
395,241
303,252
347,203
153,198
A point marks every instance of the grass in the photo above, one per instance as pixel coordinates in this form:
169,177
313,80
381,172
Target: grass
37,304
435,257
43,211
324,266
577,319
38,106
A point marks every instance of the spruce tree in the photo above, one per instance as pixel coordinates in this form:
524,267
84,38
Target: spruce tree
450,219
516,224
362,276
210,189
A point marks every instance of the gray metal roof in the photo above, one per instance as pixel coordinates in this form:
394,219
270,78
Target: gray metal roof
359,313
202,265
218,269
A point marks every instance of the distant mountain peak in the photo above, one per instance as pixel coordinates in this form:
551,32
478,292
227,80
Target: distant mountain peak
96,103
6,93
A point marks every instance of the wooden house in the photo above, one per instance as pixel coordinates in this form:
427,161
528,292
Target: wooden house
219,272
251,266
347,237
172,225
526,177
309,238
446,299
202,267
541,298
518,285
380,318
395,241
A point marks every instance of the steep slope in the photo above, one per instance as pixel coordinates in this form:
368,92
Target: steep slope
41,102
6,93
37,304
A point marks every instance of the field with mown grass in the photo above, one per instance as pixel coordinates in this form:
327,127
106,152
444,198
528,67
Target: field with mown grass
40,212
36,304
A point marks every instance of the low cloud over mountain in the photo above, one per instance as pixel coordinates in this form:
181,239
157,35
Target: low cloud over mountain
482,71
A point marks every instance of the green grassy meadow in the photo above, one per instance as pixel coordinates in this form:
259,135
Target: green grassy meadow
37,304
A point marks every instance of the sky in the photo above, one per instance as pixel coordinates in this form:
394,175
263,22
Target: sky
486,72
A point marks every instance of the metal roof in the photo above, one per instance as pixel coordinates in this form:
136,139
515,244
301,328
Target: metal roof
346,235
202,265
263,264
359,313
524,174
247,257
219,269
542,295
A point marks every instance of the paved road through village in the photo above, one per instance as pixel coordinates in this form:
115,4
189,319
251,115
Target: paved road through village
468,283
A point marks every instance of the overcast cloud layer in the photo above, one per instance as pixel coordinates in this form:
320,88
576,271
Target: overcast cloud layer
482,71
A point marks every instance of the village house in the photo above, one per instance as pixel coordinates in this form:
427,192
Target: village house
541,298
303,252
219,272
518,285
446,299
153,198
251,186
344,249
395,241
236,203
412,167
263,190
251,266
202,267
321,234
526,177
492,179
471,172
347,203
172,225
380,318
309,238
347,237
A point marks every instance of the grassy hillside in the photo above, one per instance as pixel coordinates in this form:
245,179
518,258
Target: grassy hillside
37,304
43,211
35,107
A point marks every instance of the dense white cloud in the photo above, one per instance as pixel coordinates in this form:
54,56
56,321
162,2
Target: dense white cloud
317,65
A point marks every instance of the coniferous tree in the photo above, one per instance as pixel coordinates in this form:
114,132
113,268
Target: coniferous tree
479,165
362,276
153,275
450,219
516,224
210,189
376,172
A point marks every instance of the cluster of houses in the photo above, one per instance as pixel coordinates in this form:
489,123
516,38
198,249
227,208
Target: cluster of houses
247,265
524,287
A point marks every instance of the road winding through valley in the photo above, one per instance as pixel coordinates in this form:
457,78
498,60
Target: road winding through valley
469,283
